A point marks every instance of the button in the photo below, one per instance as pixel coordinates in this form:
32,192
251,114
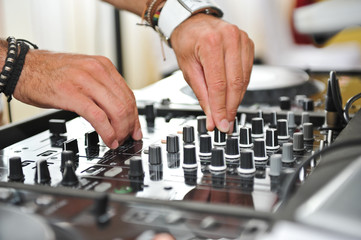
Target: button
209,223
102,187
113,172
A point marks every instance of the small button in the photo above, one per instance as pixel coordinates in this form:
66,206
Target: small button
44,200
113,172
102,187
209,223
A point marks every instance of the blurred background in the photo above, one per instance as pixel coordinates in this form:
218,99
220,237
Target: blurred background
96,28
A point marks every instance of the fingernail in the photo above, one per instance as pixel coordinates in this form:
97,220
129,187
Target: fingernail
224,126
114,145
138,134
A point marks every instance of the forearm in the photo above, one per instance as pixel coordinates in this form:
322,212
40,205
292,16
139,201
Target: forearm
134,6
3,51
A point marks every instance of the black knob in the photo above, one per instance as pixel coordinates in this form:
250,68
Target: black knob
298,143
285,103
189,156
91,139
232,148
15,169
69,177
100,209
66,156
202,124
287,153
217,160
275,165
42,174
273,121
291,120
282,129
155,154
205,145
219,138
299,100
235,127
246,163
305,118
188,134
272,139
260,154
150,115
245,137
71,145
257,127
136,167
172,143
57,126
308,104
308,131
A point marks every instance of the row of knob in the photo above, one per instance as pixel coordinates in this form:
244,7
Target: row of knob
42,174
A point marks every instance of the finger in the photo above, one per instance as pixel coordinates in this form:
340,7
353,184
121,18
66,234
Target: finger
236,84
214,72
195,78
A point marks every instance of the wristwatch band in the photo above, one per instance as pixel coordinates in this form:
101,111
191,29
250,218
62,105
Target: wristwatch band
174,12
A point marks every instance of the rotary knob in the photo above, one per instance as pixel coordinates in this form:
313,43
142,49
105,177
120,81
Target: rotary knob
202,125
245,137
275,165
219,138
282,129
136,167
172,143
287,153
205,146
42,174
232,152
155,155
308,105
298,143
15,170
291,120
308,132
272,139
260,154
257,127
305,118
273,120
69,177
285,103
217,160
188,134
66,156
189,157
246,164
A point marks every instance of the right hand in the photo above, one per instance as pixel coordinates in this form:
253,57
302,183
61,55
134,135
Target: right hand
88,85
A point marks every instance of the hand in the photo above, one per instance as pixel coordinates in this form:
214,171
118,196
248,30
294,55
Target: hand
216,59
88,85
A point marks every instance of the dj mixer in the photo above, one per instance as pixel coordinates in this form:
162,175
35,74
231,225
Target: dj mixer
58,180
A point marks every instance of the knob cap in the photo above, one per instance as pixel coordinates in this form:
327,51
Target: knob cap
15,169
42,174
188,134
272,139
260,154
287,153
91,139
71,145
136,167
217,160
273,121
155,154
189,156
66,155
291,120
257,127
202,125
245,137
69,177
308,104
275,165
205,145
305,117
150,114
232,148
246,164
282,129
285,103
298,143
57,126
172,143
219,138
308,131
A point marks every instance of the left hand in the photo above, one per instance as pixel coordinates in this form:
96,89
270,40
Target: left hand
216,59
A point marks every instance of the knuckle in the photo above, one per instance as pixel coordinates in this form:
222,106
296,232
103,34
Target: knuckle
212,39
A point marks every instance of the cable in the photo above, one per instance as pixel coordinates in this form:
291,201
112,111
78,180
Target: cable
348,105
291,180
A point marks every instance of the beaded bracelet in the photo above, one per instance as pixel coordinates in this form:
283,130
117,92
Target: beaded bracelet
150,13
14,63
9,62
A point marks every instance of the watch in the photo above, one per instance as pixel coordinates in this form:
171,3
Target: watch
174,12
